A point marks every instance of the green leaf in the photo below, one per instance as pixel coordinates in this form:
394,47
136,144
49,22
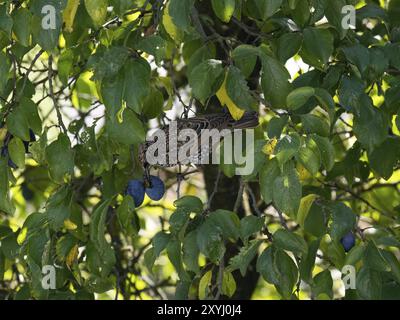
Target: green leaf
10,247
289,45
127,216
326,101
245,257
129,131
249,226
369,284
263,9
209,241
371,126
149,259
224,9
60,158
24,117
245,58
290,241
343,220
98,225
238,90
30,110
228,284
268,174
316,222
6,22
190,204
160,242
354,255
47,37
16,150
358,55
153,104
307,264
317,46
198,56
393,262
323,284
180,11
336,254
17,124
310,157
265,266
6,204
287,192
131,85
351,93
22,26
107,63
299,97
5,65
383,159
136,83
276,125
178,222
327,151
206,79
315,124
175,256
191,252
154,45
275,82
287,271
227,222
287,148
58,208
97,10
374,259
335,16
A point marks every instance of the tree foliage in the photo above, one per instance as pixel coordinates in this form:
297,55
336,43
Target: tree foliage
77,98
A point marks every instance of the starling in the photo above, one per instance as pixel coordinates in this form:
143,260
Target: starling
220,121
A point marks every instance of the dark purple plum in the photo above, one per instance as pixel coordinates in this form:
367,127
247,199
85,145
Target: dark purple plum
136,191
348,241
156,190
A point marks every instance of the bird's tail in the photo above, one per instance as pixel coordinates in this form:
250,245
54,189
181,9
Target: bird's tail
249,120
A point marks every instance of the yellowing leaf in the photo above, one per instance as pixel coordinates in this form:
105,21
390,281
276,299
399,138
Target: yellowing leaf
205,282
228,284
97,10
304,174
22,236
69,14
69,225
225,100
3,133
304,208
170,27
72,255
224,9
269,148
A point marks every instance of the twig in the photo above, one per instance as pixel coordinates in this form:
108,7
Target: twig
51,91
282,219
220,278
239,198
215,190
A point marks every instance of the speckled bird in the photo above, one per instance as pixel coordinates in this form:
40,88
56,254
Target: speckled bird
219,121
